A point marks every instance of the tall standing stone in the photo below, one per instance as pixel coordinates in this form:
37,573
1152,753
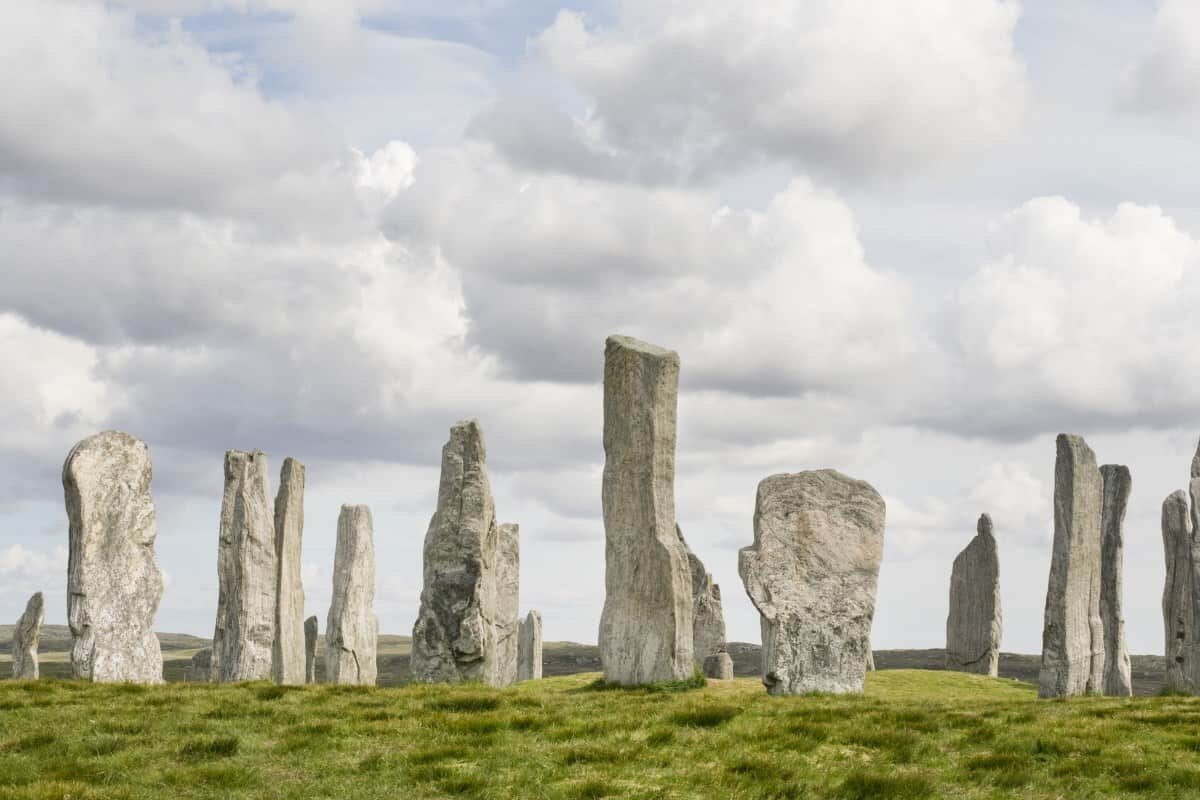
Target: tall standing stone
247,573
973,626
113,582
1192,643
646,625
529,648
1177,593
454,637
27,634
1073,633
1118,678
508,600
352,630
812,573
287,655
708,619
310,649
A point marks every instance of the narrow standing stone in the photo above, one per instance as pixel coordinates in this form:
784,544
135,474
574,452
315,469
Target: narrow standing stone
1118,483
247,572
1192,639
718,666
508,602
200,667
287,655
454,637
529,648
812,573
310,649
1073,634
646,625
1177,593
352,631
27,634
973,626
113,582
708,619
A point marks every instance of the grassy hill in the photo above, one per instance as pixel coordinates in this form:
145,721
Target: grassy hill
913,734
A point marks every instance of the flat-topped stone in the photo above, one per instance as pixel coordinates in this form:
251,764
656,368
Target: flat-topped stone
718,666
508,602
1118,676
352,630
529,648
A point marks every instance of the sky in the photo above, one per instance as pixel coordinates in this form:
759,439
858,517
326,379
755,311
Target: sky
913,245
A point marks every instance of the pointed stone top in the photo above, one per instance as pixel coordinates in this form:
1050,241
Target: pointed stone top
630,343
533,616
985,524
1196,463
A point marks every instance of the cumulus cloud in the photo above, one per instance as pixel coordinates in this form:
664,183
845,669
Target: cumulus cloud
1166,77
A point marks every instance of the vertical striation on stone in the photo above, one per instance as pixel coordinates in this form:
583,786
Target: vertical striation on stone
529,648
508,602
1073,634
113,582
1177,593
310,649
247,573
718,666
27,634
454,637
1192,641
973,626
1117,483
708,620
200,667
812,573
287,655
646,625
352,630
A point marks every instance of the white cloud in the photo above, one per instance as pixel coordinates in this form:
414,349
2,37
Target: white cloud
1166,77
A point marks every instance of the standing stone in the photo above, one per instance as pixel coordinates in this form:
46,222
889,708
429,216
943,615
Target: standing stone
973,626
27,634
200,668
247,572
113,582
719,666
708,620
352,630
812,574
508,602
454,637
1073,633
1192,642
310,649
1177,593
529,648
1118,678
646,625
287,655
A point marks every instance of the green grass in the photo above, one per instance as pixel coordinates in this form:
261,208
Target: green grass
912,735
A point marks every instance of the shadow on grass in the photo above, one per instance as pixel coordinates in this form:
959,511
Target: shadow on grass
697,681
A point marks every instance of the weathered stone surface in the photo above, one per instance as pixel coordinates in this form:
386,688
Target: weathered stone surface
718,666
1177,593
247,573
708,620
27,634
812,574
529,648
646,625
454,637
508,602
310,649
870,658
352,630
1073,634
1117,483
200,668
113,582
287,655
973,626
1192,641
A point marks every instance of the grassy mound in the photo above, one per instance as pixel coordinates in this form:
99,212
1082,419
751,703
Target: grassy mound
914,734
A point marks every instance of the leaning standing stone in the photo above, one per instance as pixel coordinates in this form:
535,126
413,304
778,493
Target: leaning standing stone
27,634
646,625
287,658
973,626
719,666
113,582
1073,634
708,620
352,631
1118,679
247,573
508,608
529,648
310,649
1177,593
812,574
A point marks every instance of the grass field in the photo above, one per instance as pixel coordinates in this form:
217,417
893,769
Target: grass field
913,734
